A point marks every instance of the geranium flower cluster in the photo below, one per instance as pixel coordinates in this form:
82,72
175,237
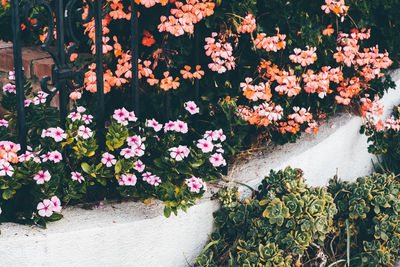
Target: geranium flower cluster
221,52
248,24
304,57
336,6
185,16
8,151
270,43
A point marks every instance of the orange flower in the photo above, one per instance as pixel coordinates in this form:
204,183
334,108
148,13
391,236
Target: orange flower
148,39
152,81
186,74
328,31
73,57
198,73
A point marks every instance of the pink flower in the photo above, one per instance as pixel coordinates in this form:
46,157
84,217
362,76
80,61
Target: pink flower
139,166
4,123
219,134
127,153
121,116
151,178
6,168
134,140
108,159
181,126
217,160
45,157
195,184
27,103
169,126
11,88
87,119
128,179
149,3
40,98
42,176
55,156
45,208
179,153
192,107
84,132
77,176
154,124
205,145
75,116
56,204
132,117
56,133
80,109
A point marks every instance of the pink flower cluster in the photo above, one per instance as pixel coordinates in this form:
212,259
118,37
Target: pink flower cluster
123,116
263,114
47,207
79,116
371,109
57,134
300,115
320,83
179,153
177,126
127,180
270,43
184,16
248,25
221,52
154,124
195,184
4,123
151,178
207,146
304,57
10,88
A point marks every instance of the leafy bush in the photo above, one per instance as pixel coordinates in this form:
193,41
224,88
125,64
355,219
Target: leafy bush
142,160
289,224
384,140
273,229
372,205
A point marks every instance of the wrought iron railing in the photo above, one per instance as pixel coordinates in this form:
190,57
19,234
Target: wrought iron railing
60,17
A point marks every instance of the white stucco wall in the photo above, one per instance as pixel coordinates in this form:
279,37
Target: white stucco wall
135,234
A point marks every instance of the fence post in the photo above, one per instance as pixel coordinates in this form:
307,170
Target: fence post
60,82
98,8
16,30
197,57
134,58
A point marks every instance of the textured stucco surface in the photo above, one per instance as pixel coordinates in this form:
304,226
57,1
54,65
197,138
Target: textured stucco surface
127,234
135,234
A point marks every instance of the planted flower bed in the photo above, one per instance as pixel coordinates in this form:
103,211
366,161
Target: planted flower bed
203,80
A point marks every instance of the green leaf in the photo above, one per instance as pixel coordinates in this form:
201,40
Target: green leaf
7,194
118,167
167,212
86,167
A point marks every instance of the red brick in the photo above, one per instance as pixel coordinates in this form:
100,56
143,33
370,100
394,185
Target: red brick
42,67
28,55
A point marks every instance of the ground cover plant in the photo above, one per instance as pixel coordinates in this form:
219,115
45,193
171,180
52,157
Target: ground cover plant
287,223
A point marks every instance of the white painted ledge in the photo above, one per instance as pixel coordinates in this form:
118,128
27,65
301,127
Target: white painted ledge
128,234
338,148
135,234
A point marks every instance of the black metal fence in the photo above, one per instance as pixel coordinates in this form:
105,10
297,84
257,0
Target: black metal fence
61,16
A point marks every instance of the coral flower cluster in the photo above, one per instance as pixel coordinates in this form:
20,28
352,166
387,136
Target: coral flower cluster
221,52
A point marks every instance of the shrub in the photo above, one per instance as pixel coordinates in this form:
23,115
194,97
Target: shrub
143,160
384,140
273,229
